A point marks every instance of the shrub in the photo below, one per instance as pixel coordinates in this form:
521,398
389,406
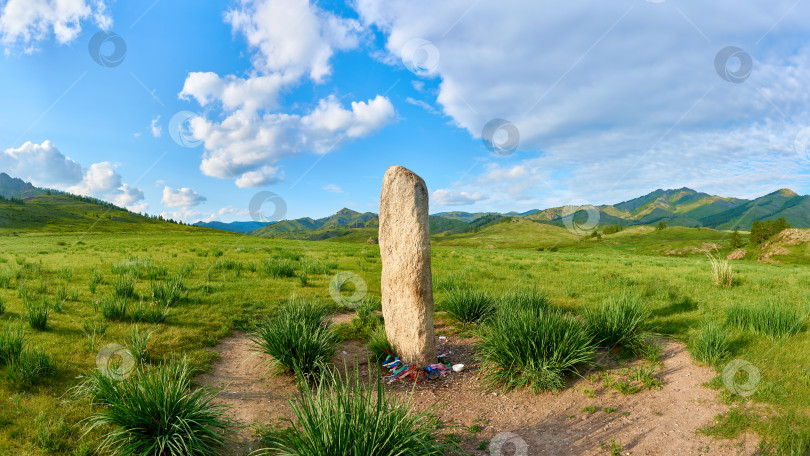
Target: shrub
278,268
347,417
721,270
113,307
468,305
527,346
297,337
37,314
154,411
711,343
617,321
768,318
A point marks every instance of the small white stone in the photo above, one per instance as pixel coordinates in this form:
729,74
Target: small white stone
458,367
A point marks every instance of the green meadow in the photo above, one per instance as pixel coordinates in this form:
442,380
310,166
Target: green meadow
191,287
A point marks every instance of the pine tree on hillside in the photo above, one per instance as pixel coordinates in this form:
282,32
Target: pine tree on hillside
736,239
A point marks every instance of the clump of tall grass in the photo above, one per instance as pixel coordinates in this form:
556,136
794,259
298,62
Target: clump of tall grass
278,268
154,411
299,337
124,286
65,273
138,343
450,282
768,318
23,364
228,264
95,279
528,346
31,367
338,417
148,312
2,305
5,278
37,313
469,305
721,270
617,321
364,322
113,307
11,343
169,292
379,345
533,299
711,343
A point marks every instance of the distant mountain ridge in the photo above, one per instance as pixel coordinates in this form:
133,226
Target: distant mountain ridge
675,207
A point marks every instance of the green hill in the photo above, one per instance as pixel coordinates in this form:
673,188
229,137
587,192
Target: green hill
24,207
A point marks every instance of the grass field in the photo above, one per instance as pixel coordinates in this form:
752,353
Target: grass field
218,282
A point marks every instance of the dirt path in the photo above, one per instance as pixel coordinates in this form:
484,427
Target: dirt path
647,423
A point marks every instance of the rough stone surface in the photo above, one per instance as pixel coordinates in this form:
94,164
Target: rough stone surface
407,284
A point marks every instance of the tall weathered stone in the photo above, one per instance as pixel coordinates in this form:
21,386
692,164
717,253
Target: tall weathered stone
407,284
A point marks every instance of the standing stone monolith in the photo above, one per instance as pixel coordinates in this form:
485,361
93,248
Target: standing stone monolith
407,284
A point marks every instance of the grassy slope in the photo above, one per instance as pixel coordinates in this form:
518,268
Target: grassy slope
220,300
63,213
514,233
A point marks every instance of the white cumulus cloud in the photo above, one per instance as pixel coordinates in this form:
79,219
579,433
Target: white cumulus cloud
181,197
613,98
45,166
156,129
291,40
30,21
447,197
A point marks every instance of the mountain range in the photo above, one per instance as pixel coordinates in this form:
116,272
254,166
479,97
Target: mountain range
26,206
675,207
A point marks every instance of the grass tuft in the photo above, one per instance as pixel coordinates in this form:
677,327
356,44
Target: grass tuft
468,304
346,417
711,343
37,314
298,337
155,411
527,346
278,268
768,318
721,270
617,321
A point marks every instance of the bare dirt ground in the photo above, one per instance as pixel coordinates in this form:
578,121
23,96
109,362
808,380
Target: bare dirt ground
652,422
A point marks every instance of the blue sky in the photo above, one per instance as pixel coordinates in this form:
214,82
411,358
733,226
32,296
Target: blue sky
313,101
